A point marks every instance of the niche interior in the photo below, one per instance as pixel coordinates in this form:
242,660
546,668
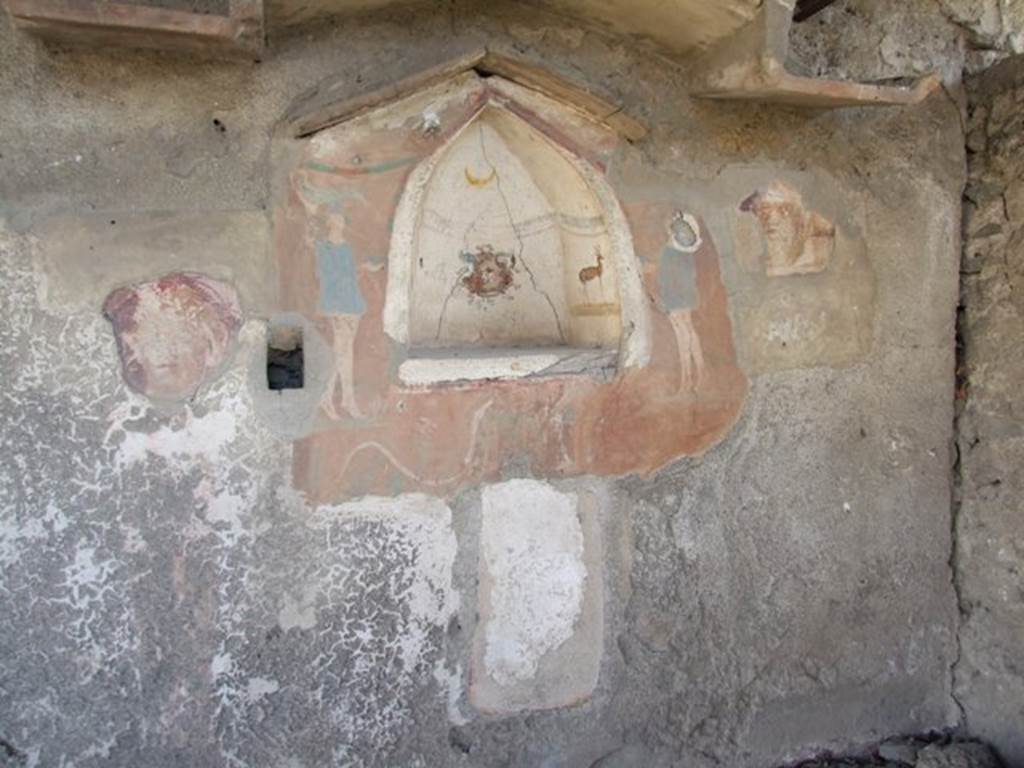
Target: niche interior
510,256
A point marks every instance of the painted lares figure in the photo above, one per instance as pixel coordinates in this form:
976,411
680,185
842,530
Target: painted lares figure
678,291
340,299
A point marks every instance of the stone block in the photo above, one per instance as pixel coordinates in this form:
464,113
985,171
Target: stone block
957,755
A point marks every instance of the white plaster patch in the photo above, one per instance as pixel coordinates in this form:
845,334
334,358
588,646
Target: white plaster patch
794,329
431,122
532,548
298,611
16,534
423,371
450,681
324,142
194,437
222,664
260,687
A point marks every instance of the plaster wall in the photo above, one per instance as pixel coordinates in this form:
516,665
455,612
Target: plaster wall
678,25
184,584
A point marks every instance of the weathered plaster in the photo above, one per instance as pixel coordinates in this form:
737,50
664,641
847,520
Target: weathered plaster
156,592
678,25
87,255
173,596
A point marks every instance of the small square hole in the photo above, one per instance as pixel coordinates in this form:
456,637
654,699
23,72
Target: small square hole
285,365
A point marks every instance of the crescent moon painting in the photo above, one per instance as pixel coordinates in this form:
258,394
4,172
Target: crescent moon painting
476,181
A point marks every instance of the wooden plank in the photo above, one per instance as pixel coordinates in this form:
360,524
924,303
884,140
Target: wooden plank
95,22
534,76
823,94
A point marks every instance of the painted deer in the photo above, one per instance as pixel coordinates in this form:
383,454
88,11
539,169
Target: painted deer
593,273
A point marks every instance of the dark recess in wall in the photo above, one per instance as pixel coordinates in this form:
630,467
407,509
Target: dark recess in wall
807,8
285,364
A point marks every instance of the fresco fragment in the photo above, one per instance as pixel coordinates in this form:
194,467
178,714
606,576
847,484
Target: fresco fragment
173,333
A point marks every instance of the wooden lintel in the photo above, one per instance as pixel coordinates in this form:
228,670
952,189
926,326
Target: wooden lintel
107,22
538,78
796,91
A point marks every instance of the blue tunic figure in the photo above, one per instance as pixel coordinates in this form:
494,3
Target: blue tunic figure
340,298
677,285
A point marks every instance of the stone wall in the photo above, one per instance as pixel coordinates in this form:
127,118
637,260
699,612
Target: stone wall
195,569
990,529
877,40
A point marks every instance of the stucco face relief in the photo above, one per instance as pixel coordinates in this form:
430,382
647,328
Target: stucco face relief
795,240
491,298
173,333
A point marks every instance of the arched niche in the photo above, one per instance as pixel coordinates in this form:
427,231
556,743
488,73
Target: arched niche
511,257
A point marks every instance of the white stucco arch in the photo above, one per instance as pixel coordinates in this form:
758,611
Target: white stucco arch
538,172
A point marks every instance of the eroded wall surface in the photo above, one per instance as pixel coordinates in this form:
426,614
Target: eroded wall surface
189,577
989,681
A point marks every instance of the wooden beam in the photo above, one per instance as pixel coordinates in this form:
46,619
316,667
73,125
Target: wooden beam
107,22
823,94
536,77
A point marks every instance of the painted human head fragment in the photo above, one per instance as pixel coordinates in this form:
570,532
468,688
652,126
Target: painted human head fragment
796,240
173,333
